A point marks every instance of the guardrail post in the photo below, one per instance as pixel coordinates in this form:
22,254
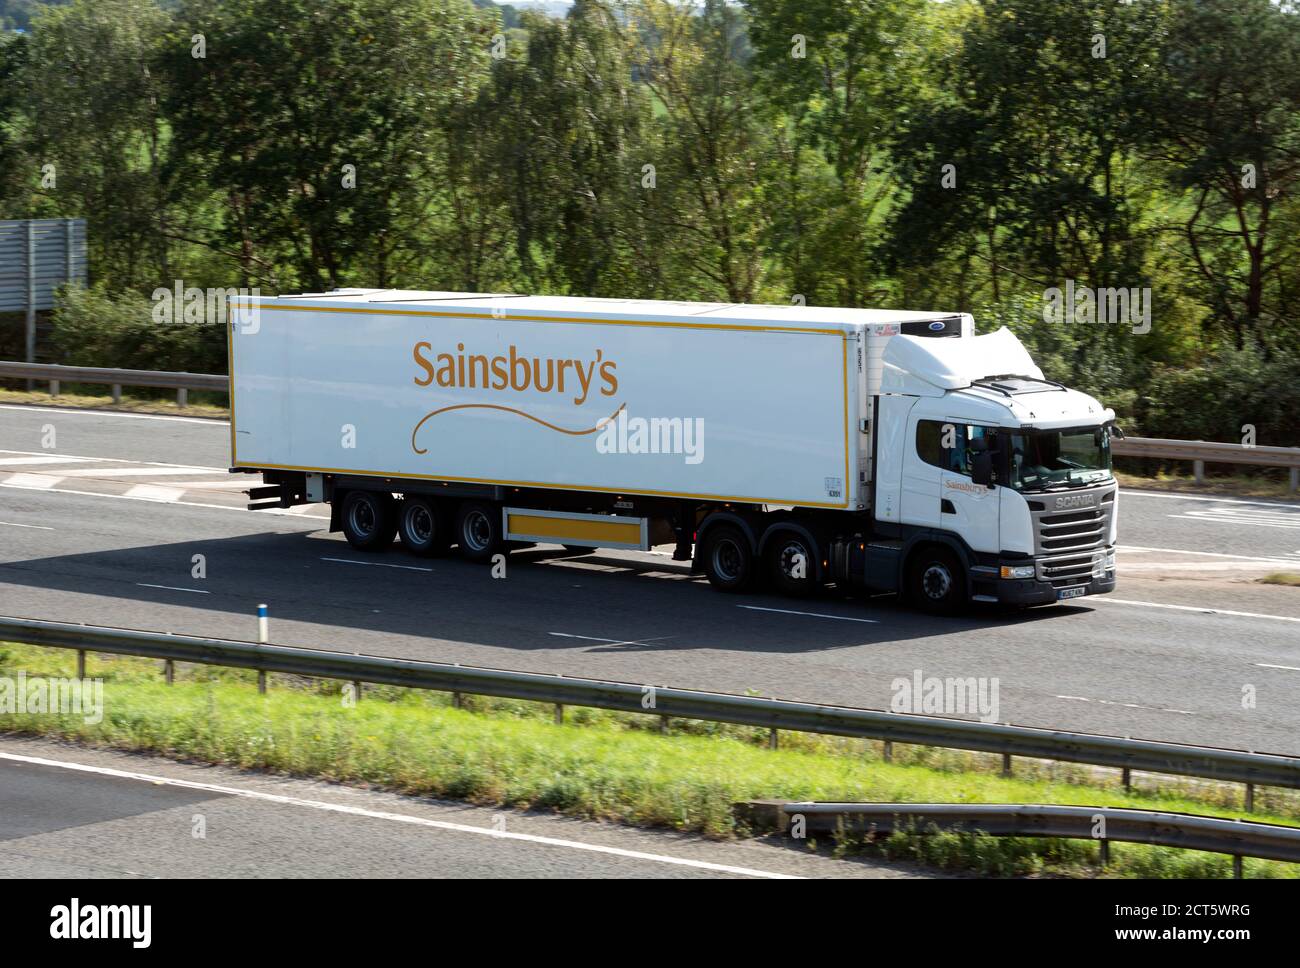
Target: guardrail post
1198,471
1127,775
772,741
1250,798
559,714
663,724
81,663
54,388
1238,871
1006,764
117,393
262,629
356,689
182,396
1103,852
887,752
169,671
455,700
1295,479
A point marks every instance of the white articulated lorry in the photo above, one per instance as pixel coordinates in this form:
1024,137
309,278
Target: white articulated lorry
790,446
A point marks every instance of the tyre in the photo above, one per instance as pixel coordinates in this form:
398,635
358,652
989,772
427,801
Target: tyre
423,527
478,530
791,564
368,519
728,559
936,581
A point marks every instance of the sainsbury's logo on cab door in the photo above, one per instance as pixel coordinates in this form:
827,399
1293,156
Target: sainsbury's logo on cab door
517,372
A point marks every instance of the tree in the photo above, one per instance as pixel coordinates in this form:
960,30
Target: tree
1222,117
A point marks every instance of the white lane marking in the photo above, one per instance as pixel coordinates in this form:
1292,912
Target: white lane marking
1133,567
1268,665
32,482
28,461
83,458
596,638
396,817
209,421
1198,497
138,471
1193,608
167,495
1205,554
1129,705
1236,519
786,611
34,527
376,564
174,588
138,497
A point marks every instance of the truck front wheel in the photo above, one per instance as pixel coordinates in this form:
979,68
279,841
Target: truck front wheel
368,519
728,559
478,530
936,581
790,563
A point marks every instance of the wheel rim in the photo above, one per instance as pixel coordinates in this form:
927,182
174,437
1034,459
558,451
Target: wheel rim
936,581
477,530
419,524
362,518
785,561
727,560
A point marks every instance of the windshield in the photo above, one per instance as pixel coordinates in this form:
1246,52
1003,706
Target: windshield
1056,458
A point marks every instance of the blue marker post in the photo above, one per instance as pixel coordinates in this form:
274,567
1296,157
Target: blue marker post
261,640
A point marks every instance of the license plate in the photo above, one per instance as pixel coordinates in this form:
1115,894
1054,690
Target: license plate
1075,592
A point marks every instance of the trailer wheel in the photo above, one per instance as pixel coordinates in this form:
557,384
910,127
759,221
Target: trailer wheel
368,519
790,562
936,580
423,526
728,560
478,530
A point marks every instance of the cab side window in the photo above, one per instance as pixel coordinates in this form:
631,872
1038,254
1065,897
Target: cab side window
931,435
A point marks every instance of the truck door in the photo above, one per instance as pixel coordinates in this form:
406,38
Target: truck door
921,473
965,508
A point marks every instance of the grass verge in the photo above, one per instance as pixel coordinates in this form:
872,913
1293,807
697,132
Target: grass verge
198,407
1281,578
598,764
1263,483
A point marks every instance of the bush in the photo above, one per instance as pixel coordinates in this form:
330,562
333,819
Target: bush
92,327
1235,387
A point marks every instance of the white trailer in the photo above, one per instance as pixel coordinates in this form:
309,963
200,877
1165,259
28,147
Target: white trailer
761,441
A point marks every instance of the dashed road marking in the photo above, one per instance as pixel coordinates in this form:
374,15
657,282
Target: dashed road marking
376,564
34,527
1129,705
174,588
786,611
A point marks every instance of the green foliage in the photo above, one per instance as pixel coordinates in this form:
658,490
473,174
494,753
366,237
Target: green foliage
92,327
756,152
1214,400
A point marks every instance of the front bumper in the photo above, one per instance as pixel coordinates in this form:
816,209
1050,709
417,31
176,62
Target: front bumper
1031,591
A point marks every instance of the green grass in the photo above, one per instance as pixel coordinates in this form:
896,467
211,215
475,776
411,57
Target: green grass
200,404
598,765
1281,578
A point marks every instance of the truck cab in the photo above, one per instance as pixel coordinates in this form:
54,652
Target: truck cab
995,482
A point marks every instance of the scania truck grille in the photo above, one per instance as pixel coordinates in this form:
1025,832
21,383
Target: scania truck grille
1070,532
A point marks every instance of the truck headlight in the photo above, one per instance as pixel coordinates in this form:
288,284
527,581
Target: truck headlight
1110,560
1017,571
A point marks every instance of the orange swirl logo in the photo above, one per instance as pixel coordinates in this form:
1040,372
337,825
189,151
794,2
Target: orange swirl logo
513,371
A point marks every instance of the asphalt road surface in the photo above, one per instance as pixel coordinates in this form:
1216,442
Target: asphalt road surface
104,528
67,812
